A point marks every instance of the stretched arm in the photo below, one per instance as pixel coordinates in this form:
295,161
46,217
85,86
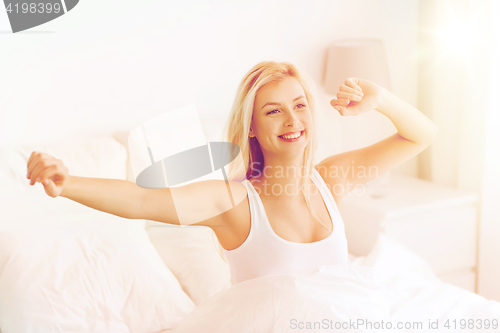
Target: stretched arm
114,196
415,133
411,124
198,203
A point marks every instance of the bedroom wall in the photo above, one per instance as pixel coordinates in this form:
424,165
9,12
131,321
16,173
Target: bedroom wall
459,87
113,64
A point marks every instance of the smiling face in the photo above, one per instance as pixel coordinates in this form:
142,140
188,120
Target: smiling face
280,109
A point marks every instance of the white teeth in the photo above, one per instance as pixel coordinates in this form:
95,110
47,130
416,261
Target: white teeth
291,136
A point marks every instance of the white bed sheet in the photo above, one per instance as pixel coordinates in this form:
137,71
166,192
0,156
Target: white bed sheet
67,268
391,284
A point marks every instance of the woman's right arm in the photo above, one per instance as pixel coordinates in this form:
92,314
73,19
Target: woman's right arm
114,196
199,203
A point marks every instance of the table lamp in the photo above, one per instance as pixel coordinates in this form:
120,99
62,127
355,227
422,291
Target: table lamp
361,58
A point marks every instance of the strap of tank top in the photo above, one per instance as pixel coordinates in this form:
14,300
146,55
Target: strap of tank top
327,195
256,209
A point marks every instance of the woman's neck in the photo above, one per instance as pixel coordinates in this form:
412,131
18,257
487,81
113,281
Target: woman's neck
281,180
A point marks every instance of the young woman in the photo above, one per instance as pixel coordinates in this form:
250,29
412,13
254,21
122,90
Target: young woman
284,215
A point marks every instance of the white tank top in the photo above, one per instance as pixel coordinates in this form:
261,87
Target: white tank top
265,253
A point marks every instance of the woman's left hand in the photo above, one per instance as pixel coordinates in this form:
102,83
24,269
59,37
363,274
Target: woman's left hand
357,96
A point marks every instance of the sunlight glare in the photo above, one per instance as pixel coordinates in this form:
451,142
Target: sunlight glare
459,36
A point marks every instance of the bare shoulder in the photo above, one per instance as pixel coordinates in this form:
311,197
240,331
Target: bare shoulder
201,203
238,211
236,192
216,186
225,194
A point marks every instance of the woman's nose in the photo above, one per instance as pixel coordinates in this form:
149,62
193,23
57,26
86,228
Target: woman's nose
292,120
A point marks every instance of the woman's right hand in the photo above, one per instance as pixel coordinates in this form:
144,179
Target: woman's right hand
49,171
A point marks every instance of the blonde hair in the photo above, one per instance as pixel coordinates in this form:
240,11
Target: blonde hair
237,127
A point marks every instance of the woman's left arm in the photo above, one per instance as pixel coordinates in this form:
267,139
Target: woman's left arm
415,133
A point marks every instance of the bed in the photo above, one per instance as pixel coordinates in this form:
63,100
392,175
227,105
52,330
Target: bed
67,268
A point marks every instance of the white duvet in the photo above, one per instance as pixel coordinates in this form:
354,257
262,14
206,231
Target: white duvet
392,286
392,289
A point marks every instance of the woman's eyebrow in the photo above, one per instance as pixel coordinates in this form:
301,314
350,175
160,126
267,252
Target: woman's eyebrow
273,103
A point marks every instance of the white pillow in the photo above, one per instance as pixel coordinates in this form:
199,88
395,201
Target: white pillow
396,262
191,254
99,157
104,276
122,137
